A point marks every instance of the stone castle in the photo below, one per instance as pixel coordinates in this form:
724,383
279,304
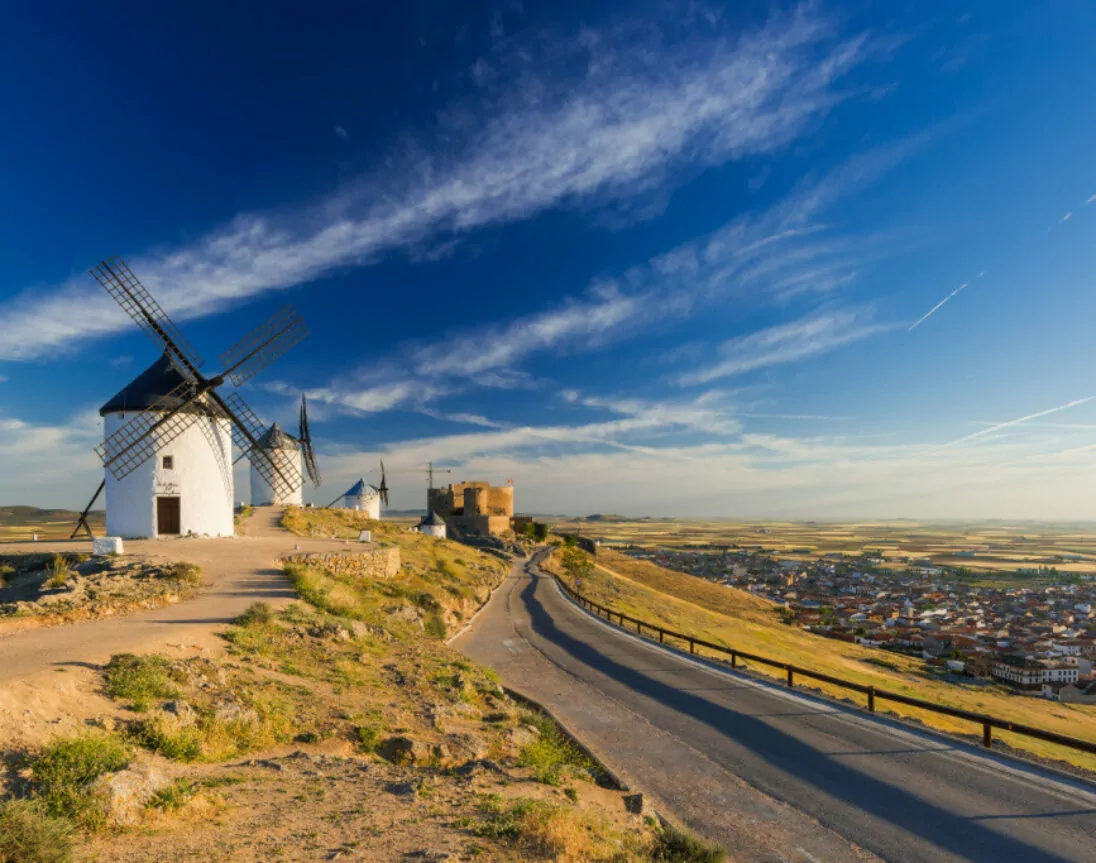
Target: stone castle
476,508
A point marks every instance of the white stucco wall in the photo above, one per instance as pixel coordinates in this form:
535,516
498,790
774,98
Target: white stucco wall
432,530
370,504
201,477
261,492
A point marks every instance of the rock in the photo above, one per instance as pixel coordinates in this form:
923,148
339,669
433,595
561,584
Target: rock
407,614
472,746
408,751
636,804
123,795
522,736
329,630
183,711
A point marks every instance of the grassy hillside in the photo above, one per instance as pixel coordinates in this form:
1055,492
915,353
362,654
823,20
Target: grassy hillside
342,726
725,615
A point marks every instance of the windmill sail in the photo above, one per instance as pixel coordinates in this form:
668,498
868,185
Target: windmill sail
126,289
307,453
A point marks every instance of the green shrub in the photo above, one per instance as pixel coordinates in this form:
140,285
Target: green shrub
552,752
185,573
174,796
256,614
367,737
29,834
63,770
434,626
180,743
59,572
140,679
676,846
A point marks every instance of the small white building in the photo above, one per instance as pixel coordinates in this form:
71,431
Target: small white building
433,524
186,487
362,496
285,452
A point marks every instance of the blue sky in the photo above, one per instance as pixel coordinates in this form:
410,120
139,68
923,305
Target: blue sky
680,259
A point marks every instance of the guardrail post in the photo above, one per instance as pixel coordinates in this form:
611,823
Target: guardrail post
987,735
639,628
661,633
692,646
791,679
734,659
871,699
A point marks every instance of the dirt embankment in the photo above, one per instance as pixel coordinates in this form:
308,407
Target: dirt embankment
339,727
52,589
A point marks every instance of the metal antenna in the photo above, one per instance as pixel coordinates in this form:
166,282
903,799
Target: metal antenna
196,397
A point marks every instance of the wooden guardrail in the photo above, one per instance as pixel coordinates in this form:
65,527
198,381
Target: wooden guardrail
873,694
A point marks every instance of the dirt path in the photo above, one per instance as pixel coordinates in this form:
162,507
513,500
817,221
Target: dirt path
236,572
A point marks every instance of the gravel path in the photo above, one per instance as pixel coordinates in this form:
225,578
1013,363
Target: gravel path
236,572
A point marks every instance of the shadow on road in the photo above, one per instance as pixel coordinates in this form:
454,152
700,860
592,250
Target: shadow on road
961,836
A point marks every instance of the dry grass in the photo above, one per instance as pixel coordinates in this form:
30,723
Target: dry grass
725,615
60,571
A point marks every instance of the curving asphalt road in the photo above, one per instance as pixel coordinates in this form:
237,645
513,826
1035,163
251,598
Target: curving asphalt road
772,774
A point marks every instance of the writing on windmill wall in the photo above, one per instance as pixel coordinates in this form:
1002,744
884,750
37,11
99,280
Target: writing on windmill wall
372,563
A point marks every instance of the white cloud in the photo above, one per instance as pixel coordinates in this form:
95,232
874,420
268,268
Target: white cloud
1091,199
1065,218
342,133
810,336
1010,423
639,110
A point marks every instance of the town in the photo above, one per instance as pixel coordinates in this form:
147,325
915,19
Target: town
1036,637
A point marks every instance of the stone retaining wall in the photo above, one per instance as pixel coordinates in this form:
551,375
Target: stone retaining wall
377,562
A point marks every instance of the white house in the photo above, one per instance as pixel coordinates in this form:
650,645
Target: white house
285,451
433,524
362,496
186,487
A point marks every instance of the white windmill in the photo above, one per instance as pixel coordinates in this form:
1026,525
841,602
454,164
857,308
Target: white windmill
295,452
168,434
364,497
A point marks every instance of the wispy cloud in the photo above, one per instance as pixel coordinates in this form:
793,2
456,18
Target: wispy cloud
1090,200
643,110
940,304
1010,423
807,337
1065,218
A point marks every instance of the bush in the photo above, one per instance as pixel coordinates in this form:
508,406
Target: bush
552,752
59,572
141,679
256,614
174,796
29,834
676,846
435,626
63,770
179,743
185,573
368,736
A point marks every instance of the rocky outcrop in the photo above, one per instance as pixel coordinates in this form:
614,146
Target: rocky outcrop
374,562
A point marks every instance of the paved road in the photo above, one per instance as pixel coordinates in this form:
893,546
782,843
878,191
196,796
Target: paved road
821,782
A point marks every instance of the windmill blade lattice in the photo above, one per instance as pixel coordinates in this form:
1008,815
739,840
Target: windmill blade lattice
308,455
136,442
266,343
172,414
128,292
282,477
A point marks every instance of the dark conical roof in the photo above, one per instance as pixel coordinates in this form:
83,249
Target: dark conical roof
146,389
432,519
275,438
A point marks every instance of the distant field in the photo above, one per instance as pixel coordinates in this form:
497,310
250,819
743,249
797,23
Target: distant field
995,547
20,523
725,615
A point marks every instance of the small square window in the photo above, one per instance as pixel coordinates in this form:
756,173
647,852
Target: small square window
169,462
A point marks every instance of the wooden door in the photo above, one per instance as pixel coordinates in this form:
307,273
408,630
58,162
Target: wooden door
167,515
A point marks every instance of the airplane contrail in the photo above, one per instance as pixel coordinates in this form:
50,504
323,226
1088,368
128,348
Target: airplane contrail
1014,422
933,310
